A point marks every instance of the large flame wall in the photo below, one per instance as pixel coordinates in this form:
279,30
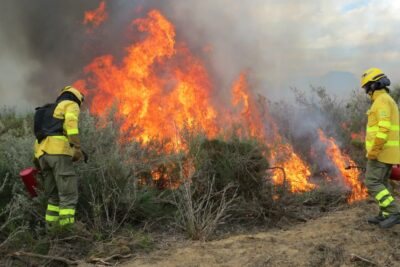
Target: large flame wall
160,88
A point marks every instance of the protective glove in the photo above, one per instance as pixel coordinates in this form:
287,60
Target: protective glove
74,141
77,155
372,155
376,148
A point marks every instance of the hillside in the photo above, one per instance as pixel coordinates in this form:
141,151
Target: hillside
342,238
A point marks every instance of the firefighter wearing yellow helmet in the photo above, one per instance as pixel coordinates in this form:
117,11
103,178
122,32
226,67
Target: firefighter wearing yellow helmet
57,146
382,145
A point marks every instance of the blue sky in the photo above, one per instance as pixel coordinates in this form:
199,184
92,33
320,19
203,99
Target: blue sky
353,5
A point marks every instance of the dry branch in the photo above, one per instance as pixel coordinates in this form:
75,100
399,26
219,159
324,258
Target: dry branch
11,236
5,181
105,260
75,237
51,258
355,257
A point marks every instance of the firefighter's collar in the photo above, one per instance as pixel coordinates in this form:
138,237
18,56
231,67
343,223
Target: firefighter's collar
378,93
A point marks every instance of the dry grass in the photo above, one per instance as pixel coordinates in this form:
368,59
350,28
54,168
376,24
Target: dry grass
200,214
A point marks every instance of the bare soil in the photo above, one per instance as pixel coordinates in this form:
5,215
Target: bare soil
341,238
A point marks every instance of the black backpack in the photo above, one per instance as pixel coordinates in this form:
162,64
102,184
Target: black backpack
45,124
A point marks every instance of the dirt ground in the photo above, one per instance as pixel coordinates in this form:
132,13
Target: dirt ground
341,238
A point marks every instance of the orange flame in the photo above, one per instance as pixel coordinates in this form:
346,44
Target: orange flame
296,170
354,136
154,106
358,136
351,176
96,17
160,89
282,154
252,118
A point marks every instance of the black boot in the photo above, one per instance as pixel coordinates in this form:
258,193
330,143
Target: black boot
390,221
376,219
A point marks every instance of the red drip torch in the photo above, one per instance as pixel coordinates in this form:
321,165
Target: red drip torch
28,176
395,175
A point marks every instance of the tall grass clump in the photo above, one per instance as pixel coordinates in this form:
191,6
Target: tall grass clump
20,216
221,179
112,190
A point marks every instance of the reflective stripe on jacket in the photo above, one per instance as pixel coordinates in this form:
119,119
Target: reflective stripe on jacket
383,123
58,145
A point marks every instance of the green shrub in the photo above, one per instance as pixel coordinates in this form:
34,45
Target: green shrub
222,180
111,192
240,162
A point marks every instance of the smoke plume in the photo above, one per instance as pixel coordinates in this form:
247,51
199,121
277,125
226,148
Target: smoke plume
45,46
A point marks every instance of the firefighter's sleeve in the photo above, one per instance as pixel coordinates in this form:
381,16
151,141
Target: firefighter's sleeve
35,148
71,123
384,125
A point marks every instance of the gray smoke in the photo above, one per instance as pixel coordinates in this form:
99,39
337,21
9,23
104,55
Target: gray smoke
41,48
44,46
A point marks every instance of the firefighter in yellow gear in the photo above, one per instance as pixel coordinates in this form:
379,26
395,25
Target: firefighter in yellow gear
382,145
57,146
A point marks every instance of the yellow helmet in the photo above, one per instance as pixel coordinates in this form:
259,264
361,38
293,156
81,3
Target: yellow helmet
371,75
73,91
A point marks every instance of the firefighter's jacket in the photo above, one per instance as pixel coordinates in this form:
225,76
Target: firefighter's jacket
68,111
383,123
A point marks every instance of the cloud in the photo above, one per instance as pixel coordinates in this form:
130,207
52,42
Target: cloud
285,41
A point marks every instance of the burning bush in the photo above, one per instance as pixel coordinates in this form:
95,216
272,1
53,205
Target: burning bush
211,181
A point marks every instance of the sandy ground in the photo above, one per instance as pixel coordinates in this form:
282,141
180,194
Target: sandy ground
341,238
